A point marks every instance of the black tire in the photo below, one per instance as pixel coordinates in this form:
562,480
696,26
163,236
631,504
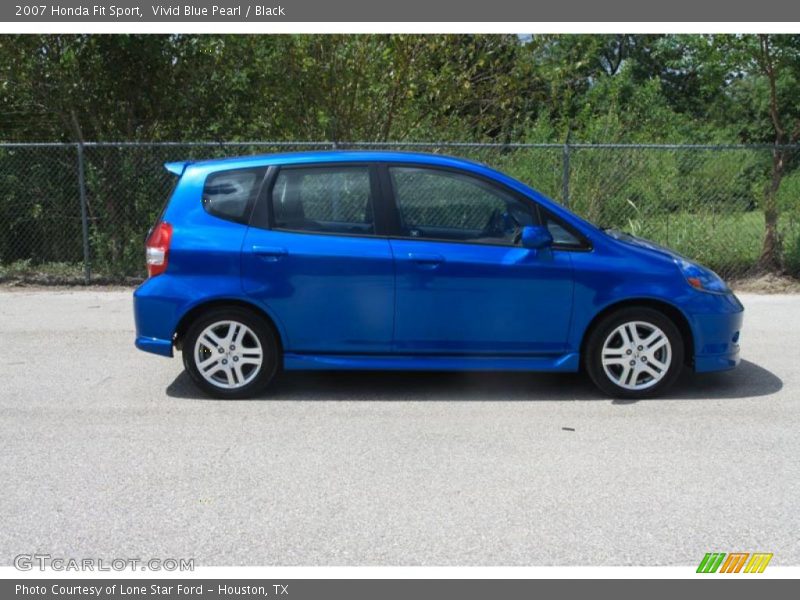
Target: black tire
593,349
262,330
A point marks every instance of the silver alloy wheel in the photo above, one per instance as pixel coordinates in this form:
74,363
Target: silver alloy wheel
636,355
228,354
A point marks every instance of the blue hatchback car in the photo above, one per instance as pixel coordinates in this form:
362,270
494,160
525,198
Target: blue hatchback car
388,260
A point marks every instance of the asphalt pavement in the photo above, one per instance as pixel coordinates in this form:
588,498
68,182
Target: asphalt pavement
110,452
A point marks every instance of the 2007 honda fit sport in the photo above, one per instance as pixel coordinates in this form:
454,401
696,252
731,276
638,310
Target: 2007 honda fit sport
385,260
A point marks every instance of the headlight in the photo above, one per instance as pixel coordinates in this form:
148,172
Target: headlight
701,278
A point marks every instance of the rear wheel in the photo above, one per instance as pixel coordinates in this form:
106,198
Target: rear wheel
231,353
636,352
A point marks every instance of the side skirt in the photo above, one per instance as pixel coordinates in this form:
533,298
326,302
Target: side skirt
303,362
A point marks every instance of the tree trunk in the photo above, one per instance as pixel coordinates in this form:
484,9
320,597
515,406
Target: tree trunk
771,259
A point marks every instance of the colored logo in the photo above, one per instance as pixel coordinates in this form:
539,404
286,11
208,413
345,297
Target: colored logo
735,562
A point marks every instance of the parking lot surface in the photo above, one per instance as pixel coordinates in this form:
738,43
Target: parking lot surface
110,452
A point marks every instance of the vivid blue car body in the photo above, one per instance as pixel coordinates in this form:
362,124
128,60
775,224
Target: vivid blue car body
386,296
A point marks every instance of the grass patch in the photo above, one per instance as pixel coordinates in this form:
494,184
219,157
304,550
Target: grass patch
57,273
730,244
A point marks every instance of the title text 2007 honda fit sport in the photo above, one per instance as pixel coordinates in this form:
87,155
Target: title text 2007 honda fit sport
387,260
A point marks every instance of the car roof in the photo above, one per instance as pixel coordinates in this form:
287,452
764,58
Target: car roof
335,156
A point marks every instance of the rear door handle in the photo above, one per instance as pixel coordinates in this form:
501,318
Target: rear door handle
271,253
427,260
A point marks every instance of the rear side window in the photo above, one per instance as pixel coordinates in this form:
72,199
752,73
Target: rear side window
230,194
323,200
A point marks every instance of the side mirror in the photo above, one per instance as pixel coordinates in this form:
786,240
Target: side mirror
536,237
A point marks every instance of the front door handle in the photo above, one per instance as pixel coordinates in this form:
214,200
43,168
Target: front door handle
426,260
270,253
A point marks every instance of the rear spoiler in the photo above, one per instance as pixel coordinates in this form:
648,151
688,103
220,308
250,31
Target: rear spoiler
177,167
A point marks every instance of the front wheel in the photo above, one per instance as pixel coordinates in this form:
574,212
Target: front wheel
231,353
635,352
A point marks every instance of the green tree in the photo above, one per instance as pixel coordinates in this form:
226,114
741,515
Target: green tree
763,82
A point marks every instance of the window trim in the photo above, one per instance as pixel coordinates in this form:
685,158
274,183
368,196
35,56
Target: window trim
384,205
265,211
261,173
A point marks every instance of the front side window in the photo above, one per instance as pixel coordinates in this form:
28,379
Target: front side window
323,200
445,205
229,194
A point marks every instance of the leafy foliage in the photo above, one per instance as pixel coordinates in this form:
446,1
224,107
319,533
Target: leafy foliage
379,88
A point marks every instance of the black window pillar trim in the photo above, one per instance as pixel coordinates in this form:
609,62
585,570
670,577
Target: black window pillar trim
390,211
261,215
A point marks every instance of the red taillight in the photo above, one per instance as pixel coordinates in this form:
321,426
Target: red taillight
157,248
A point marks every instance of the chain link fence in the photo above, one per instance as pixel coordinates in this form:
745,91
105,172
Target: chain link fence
80,212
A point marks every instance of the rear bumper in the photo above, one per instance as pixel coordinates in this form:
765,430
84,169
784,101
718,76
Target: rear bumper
161,302
717,336
156,315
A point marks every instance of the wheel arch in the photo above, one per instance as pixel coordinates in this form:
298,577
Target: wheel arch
671,311
197,310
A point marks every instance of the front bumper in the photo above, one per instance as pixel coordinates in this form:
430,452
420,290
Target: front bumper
716,336
719,362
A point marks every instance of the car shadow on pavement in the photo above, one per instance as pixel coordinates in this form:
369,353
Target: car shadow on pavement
748,380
